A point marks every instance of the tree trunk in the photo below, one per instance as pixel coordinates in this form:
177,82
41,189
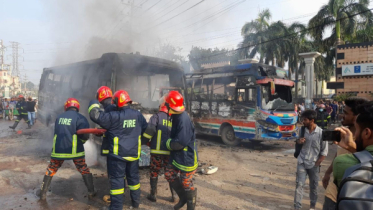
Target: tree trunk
316,88
273,62
322,89
296,82
338,29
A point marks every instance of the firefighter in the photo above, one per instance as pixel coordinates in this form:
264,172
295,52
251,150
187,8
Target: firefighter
158,131
322,117
125,127
184,155
68,145
104,96
22,111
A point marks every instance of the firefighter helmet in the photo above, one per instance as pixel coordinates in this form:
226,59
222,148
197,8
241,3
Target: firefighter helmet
72,102
321,106
121,98
175,101
21,96
162,104
103,93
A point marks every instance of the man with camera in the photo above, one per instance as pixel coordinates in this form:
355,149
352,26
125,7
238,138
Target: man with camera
361,140
350,112
313,152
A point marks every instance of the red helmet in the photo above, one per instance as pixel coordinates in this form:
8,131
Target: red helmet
175,101
72,102
162,104
103,93
121,98
20,96
321,106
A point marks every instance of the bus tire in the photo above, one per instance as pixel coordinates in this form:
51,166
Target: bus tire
228,136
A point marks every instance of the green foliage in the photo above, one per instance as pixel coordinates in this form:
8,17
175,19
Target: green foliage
170,52
198,56
343,97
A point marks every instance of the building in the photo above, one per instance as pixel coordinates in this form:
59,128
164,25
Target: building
7,80
354,70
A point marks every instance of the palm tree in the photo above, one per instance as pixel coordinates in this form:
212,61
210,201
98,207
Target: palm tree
340,16
254,32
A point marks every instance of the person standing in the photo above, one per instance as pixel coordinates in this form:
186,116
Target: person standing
5,107
334,113
31,111
313,152
349,117
158,132
124,128
184,155
22,111
322,117
67,145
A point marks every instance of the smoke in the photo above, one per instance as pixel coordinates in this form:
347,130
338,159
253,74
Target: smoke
96,27
91,151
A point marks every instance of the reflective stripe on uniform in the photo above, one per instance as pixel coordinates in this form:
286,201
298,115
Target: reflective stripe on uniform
168,144
105,151
188,168
66,155
117,192
93,106
54,144
115,147
75,144
139,153
159,139
134,187
160,152
147,136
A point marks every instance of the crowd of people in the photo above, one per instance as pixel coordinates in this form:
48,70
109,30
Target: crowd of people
169,133
354,153
19,108
333,109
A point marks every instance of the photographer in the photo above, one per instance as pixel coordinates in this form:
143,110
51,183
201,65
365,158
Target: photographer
313,152
361,140
350,113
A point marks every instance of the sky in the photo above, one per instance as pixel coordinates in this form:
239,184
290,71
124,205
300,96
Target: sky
53,33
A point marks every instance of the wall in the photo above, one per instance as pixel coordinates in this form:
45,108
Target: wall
350,54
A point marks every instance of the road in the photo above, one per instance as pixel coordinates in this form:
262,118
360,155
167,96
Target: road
260,176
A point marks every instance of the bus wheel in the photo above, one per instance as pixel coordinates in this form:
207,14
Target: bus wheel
228,136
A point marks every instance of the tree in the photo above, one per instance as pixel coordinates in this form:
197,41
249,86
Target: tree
197,56
340,16
170,52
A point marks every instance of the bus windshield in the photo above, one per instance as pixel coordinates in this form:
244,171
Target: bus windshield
281,100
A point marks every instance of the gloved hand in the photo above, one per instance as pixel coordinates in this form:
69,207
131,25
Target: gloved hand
93,104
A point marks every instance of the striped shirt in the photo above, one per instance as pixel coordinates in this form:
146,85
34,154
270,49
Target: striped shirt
313,148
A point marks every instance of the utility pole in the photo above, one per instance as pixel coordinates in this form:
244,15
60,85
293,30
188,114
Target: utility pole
2,48
15,70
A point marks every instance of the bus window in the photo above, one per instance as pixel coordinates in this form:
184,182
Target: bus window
246,95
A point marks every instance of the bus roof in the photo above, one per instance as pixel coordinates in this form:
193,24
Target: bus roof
255,69
127,63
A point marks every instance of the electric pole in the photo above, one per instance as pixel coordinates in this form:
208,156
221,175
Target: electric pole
15,70
2,48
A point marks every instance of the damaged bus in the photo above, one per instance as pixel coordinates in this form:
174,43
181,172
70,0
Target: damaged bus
248,101
145,78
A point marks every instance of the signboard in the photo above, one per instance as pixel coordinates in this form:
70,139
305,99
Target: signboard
357,69
335,85
282,73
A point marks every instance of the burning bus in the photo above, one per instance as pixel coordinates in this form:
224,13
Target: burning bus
145,78
248,101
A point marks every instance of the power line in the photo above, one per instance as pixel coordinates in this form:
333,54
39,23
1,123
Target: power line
289,35
164,9
176,15
152,6
203,19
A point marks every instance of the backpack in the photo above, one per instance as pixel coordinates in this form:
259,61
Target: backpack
356,189
298,147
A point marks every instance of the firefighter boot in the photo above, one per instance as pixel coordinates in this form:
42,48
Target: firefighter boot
178,187
153,189
44,187
14,125
172,194
191,196
88,181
